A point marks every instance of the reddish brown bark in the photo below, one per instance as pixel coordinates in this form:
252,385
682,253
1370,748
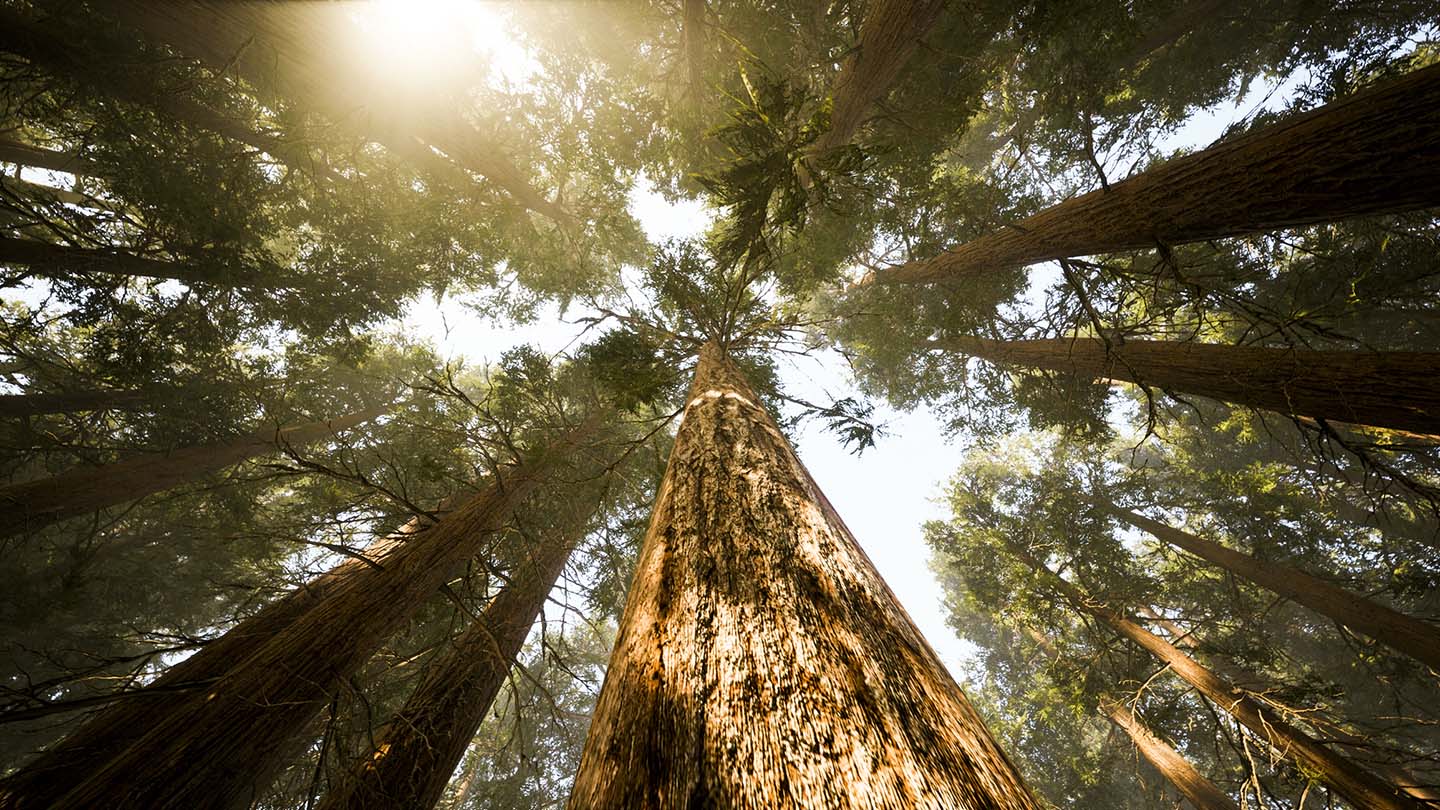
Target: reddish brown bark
61,261
224,745
32,505
1376,152
761,660
1357,785
419,749
1365,616
1382,389
16,405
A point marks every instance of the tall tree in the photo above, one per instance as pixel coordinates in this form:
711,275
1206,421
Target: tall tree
1371,153
761,659
13,405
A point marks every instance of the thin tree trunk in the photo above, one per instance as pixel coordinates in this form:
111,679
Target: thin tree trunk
85,749
32,505
63,261
761,660
222,748
467,785
24,154
1398,390
1392,628
419,749
1357,785
1190,15
17,405
889,35
1176,769
1376,152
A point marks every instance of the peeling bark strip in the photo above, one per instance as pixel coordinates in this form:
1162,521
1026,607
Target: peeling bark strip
48,777
889,36
1376,152
761,661
419,749
222,747
1399,390
1357,785
1411,636
32,505
16,405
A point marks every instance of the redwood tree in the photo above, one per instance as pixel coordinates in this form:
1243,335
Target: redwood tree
761,660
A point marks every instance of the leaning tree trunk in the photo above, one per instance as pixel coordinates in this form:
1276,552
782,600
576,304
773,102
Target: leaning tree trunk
1389,627
1399,390
418,750
64,261
32,505
23,154
1357,785
17,405
1376,152
223,746
45,779
1168,762
761,661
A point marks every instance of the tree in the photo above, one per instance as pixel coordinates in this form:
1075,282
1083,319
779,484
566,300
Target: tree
1356,157
760,655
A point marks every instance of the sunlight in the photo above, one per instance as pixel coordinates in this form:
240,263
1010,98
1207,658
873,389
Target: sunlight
422,42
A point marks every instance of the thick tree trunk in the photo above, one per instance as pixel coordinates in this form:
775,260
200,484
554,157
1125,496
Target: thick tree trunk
761,660
889,35
49,776
285,47
419,749
1398,390
63,261
1365,616
1357,785
24,154
1376,152
29,506
692,21
17,405
1176,769
222,747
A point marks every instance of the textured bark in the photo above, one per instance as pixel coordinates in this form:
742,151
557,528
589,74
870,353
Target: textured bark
63,261
419,749
1411,636
1398,390
889,35
286,47
16,405
24,154
32,505
761,660
223,746
1376,152
1356,784
693,31
41,782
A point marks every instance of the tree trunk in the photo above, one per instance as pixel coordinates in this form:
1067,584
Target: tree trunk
49,776
220,749
1376,152
285,48
889,36
17,405
24,154
1176,769
63,261
692,21
1357,785
761,660
1189,16
1398,390
419,749
32,505
1404,633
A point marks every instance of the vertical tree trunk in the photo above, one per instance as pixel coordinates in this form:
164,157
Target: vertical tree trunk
1357,785
17,405
222,747
418,750
761,660
889,35
1365,616
1176,769
1381,389
1376,152
32,505
49,776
